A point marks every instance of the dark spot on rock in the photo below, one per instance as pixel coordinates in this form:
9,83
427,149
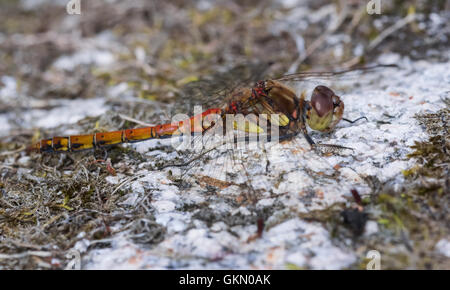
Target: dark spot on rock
355,220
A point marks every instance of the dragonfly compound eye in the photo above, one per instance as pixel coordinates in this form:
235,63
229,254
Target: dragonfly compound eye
322,100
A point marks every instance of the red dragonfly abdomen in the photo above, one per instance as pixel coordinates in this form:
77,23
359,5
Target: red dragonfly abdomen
195,124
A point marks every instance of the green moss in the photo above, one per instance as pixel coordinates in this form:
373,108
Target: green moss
290,266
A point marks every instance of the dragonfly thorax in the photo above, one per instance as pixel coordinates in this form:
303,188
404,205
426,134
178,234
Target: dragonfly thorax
282,98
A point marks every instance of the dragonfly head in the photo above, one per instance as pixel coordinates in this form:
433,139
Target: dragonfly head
324,110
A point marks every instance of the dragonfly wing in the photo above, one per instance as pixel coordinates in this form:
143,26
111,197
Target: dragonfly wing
304,76
212,92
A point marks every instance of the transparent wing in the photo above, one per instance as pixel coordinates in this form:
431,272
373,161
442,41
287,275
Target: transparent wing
212,92
303,76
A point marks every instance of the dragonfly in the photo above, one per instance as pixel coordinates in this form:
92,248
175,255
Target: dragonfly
271,97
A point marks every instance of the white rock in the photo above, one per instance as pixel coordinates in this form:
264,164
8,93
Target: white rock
443,247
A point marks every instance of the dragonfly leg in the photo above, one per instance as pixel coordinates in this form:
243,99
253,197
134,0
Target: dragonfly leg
105,153
310,140
327,147
324,148
332,147
350,121
282,137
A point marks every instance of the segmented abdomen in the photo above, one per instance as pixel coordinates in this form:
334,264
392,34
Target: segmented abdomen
82,142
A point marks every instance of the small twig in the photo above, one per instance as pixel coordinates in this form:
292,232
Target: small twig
319,41
390,30
127,181
22,148
127,118
25,254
